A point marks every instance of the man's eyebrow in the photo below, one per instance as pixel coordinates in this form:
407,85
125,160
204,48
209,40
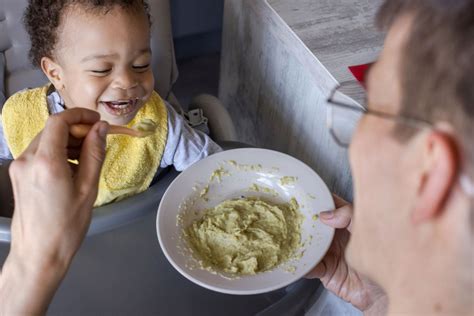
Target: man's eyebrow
102,56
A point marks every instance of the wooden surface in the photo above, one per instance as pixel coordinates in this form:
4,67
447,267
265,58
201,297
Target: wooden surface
279,62
338,33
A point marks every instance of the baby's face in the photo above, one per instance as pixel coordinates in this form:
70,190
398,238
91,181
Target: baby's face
105,63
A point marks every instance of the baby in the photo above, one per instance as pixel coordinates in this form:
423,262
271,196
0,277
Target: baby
96,55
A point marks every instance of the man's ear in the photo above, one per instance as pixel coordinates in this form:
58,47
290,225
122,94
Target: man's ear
53,71
440,170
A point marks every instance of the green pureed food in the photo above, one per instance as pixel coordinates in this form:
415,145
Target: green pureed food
246,236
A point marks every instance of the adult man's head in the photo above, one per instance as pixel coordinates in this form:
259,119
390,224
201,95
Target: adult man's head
413,223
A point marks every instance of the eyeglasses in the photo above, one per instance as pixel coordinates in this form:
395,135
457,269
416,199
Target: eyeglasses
344,114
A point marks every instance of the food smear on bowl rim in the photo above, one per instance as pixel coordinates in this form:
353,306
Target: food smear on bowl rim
258,188
288,180
218,174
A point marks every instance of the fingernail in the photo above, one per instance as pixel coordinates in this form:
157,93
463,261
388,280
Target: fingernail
326,215
103,128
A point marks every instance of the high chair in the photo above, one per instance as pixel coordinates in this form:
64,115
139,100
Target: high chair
16,74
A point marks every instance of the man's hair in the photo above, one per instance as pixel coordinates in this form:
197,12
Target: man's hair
42,19
437,74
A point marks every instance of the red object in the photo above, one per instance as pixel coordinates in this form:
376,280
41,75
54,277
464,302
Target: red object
360,71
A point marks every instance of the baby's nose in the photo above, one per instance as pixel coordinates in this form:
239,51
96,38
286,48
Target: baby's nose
125,80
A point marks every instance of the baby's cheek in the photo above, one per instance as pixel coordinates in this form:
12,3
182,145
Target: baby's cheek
83,102
149,83
88,97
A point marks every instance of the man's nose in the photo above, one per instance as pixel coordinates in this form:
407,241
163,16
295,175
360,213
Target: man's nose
125,80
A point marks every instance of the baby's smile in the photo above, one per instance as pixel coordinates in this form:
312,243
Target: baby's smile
121,107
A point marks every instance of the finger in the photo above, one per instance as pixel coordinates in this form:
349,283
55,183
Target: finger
339,218
318,272
91,159
338,201
79,116
32,147
55,135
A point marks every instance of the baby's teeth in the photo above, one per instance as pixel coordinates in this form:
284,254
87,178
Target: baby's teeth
120,105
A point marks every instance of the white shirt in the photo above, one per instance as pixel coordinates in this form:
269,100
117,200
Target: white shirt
184,145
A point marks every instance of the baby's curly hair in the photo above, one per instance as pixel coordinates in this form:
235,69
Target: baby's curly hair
43,17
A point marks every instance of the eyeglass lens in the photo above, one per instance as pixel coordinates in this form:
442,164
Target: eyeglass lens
344,123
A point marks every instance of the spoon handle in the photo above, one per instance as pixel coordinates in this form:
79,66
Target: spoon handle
81,130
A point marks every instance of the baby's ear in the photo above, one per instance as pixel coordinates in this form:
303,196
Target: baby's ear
53,71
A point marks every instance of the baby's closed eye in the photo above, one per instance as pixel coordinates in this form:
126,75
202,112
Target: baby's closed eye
101,71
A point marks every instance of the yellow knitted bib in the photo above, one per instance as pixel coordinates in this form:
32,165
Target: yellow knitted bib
130,163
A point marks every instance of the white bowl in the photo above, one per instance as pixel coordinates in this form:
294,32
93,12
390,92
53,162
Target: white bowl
183,195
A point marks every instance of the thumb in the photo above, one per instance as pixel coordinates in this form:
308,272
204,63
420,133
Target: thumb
339,218
91,159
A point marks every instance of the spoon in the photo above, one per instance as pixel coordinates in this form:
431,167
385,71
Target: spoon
143,128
